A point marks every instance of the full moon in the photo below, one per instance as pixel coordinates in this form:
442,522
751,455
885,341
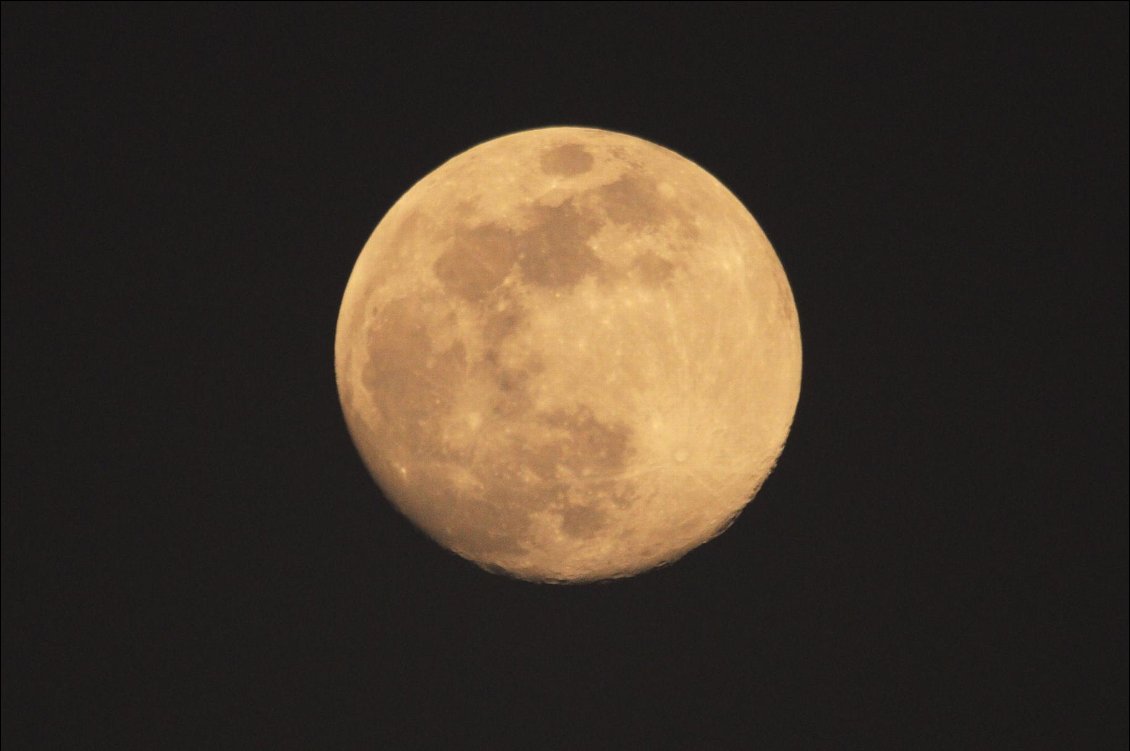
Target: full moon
568,355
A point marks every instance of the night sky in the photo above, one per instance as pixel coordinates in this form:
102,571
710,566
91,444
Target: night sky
195,557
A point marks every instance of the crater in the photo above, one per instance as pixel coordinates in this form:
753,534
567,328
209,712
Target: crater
568,159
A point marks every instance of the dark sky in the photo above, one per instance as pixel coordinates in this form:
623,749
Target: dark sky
194,556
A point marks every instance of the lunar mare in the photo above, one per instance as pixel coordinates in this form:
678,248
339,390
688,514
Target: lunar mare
569,354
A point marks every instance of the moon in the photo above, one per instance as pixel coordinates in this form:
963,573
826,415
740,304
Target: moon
569,354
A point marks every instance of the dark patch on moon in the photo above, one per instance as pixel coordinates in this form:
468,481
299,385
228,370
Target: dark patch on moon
581,522
408,380
554,252
651,269
502,322
495,521
512,400
621,154
404,233
477,261
588,447
568,160
633,200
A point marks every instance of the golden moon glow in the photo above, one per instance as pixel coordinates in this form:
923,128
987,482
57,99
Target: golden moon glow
569,354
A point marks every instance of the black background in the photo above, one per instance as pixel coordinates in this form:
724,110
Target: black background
194,556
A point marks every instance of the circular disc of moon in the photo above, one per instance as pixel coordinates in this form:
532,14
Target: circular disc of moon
569,354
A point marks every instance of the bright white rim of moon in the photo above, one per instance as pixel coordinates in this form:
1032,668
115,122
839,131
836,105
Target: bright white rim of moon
569,354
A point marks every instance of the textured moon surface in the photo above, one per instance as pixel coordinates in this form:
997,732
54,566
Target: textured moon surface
569,354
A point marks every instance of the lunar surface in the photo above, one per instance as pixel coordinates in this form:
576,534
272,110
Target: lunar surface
569,354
